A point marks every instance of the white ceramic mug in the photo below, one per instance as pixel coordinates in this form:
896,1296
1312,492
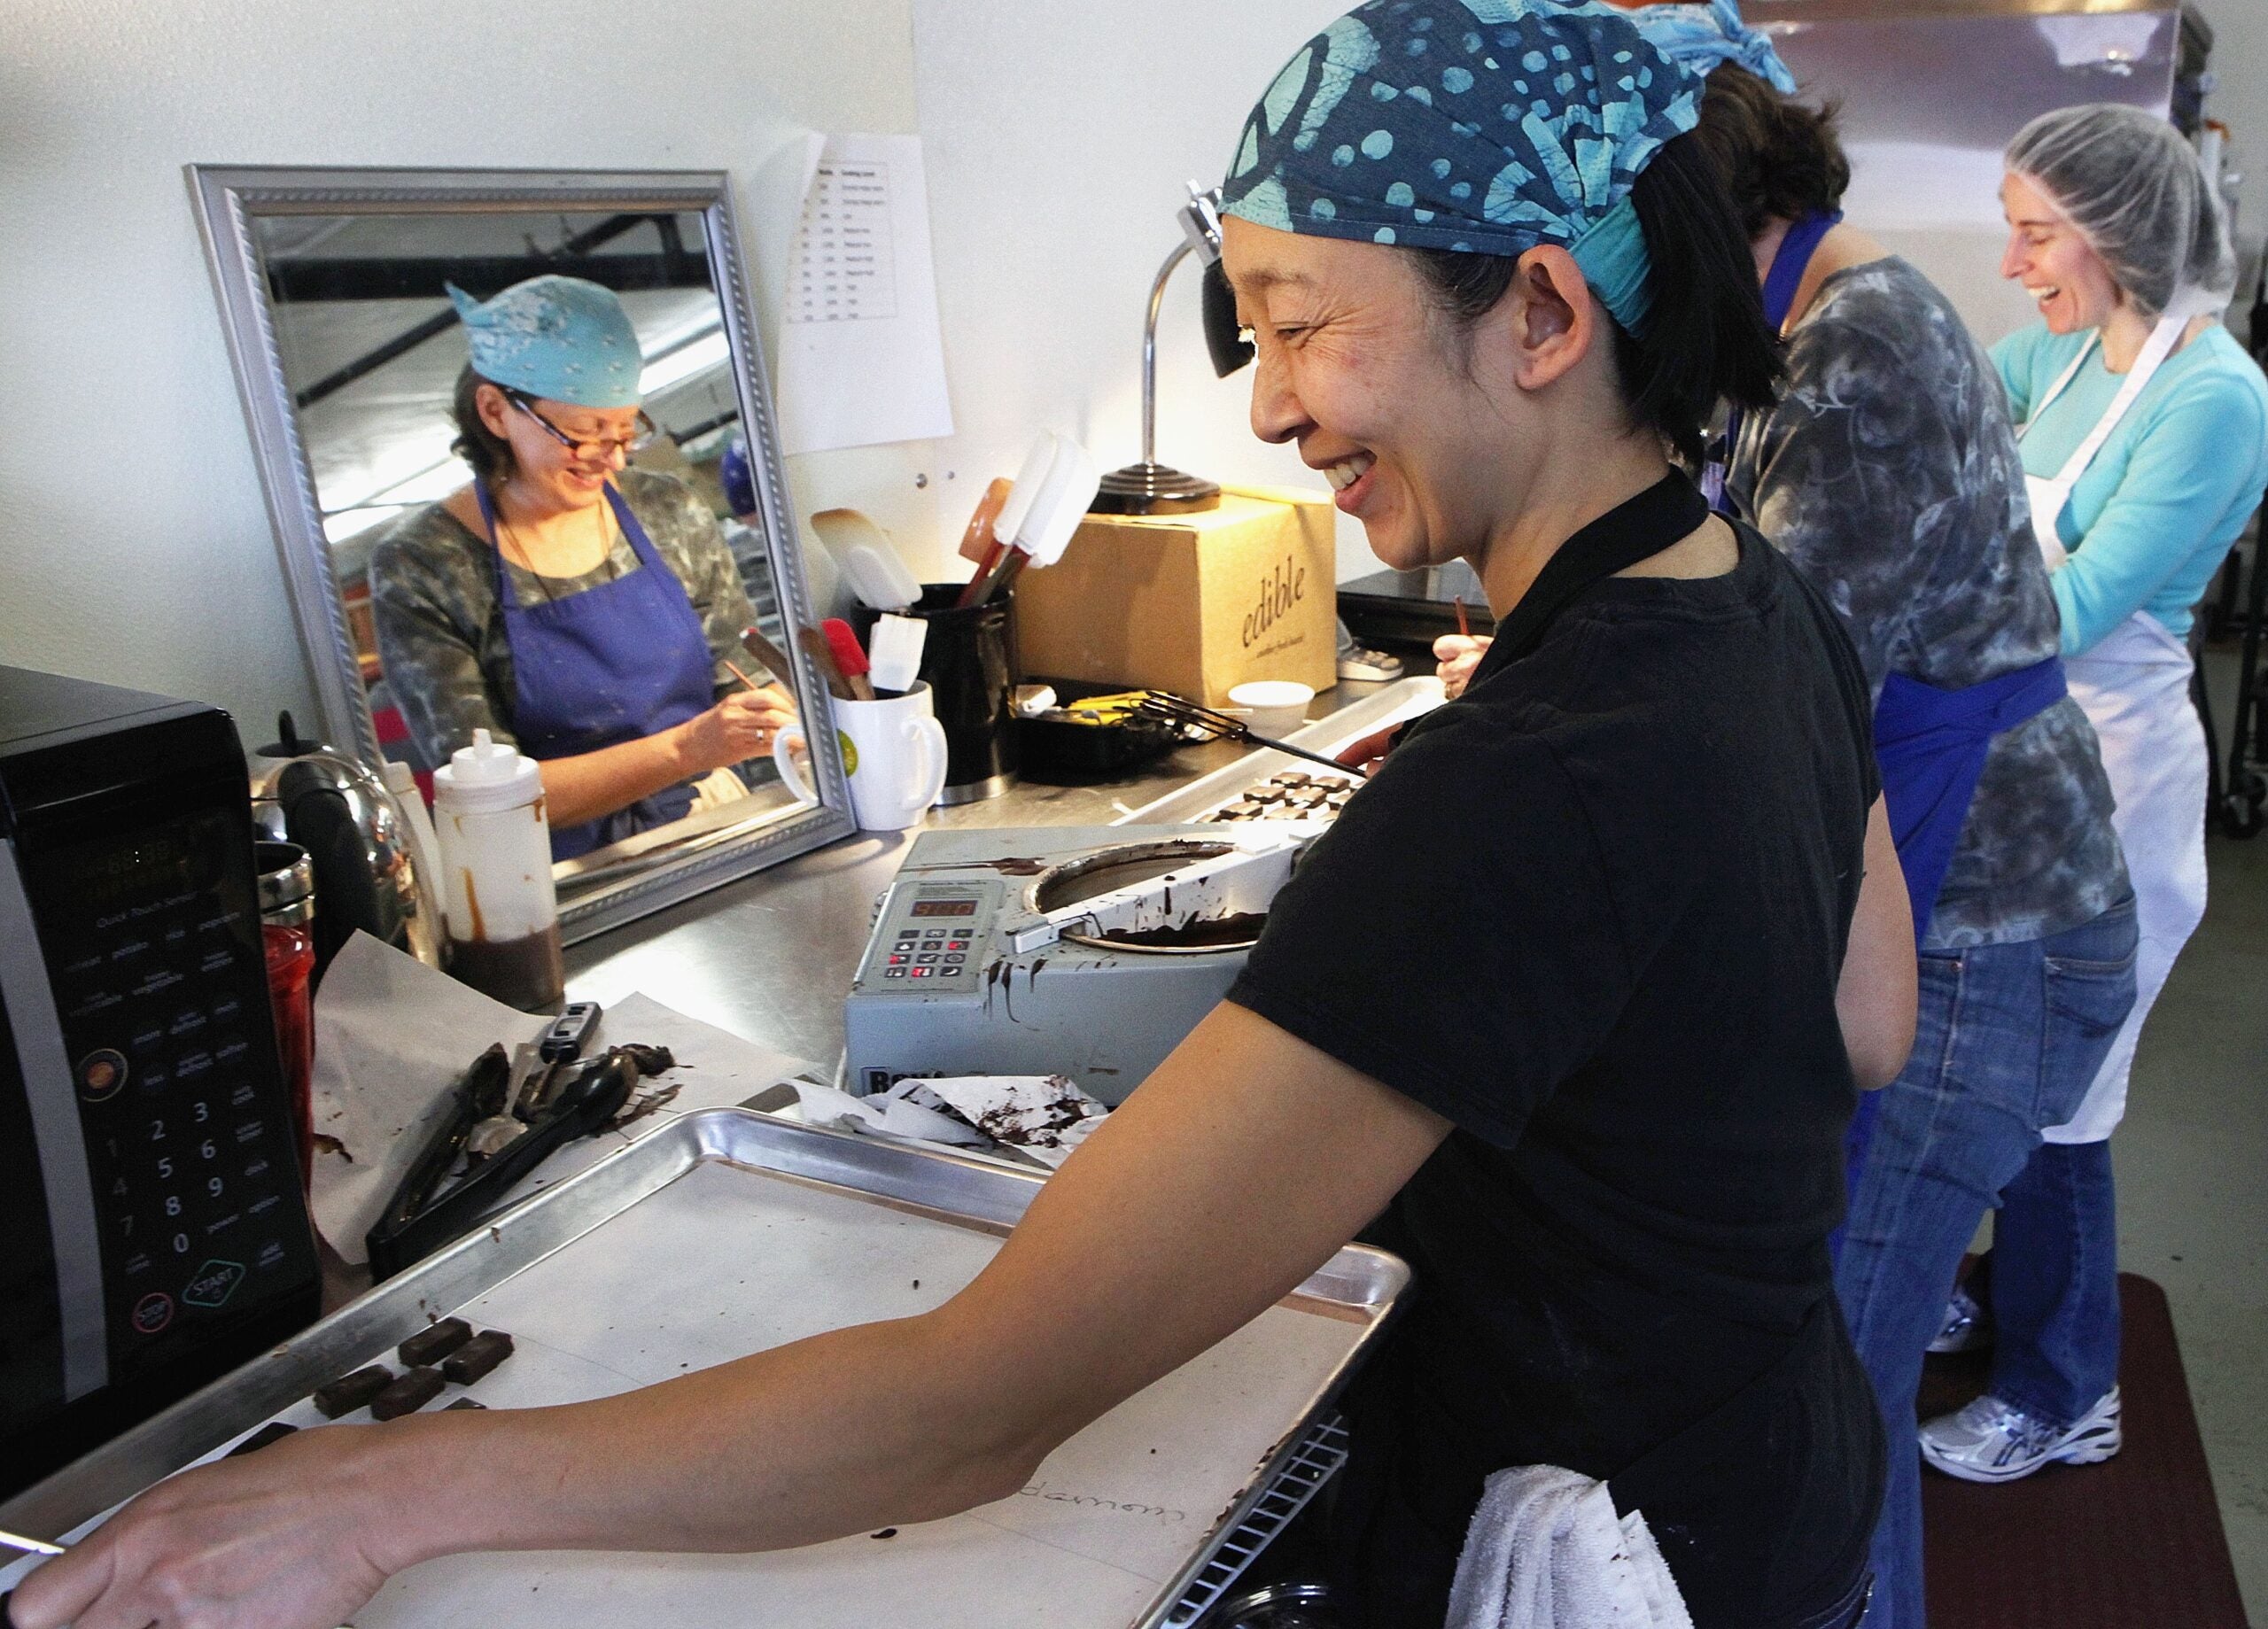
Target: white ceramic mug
893,751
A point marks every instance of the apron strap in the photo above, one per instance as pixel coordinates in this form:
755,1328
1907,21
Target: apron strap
1632,530
2160,345
1790,262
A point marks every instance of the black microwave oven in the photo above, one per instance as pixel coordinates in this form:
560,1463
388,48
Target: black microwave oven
154,1233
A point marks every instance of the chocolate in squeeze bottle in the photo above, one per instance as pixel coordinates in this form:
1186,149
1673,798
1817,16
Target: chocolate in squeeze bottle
503,912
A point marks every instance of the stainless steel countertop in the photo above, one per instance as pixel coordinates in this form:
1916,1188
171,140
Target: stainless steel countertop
770,957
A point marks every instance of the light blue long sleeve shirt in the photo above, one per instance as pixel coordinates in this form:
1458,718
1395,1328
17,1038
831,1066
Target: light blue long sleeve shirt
2164,500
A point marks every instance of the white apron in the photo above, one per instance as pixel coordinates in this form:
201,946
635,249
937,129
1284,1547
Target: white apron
2134,689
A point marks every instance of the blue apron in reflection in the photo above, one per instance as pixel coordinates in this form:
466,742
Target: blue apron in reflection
616,662
1930,744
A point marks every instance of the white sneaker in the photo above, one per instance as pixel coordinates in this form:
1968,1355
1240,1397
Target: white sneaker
1992,1441
1967,1327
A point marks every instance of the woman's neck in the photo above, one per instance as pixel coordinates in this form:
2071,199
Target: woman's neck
1841,249
2126,331
1569,494
538,514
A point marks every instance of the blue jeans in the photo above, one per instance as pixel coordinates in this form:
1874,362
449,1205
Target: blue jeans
2051,1281
2008,1039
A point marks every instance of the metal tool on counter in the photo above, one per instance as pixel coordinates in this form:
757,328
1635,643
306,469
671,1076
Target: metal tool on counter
1178,709
502,1119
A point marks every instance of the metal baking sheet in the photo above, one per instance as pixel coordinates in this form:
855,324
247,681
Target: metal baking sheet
730,1232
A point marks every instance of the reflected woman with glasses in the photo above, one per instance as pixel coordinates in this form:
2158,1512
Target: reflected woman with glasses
587,611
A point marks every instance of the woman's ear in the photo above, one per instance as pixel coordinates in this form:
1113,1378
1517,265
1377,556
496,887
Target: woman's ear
1552,316
495,412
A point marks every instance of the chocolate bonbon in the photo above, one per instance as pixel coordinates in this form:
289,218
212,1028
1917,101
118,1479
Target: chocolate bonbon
407,1396
349,1393
435,1342
478,1356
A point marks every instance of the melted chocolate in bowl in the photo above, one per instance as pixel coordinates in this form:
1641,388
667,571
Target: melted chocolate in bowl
1116,868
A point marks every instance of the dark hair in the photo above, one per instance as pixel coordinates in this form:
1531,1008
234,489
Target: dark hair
1705,337
488,452
1780,158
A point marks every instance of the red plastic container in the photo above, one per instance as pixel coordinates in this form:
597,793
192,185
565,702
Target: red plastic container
287,910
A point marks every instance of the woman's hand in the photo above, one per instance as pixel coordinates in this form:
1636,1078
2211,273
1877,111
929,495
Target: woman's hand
288,1538
1458,655
740,727
1368,753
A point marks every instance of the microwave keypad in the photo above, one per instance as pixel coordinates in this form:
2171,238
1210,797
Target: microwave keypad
164,1002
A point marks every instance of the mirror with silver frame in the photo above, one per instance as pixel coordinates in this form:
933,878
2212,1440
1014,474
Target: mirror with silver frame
413,598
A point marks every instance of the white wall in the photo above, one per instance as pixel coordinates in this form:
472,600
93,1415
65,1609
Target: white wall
1059,140
134,543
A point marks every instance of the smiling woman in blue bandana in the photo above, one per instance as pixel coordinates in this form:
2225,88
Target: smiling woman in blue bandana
563,602
1572,1001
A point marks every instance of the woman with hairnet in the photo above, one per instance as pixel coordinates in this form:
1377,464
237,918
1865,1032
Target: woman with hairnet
2144,445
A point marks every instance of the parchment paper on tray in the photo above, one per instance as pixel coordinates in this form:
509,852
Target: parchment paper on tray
392,1034
1041,1116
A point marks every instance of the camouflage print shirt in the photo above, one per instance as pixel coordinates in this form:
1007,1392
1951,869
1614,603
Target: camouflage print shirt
448,667
1888,474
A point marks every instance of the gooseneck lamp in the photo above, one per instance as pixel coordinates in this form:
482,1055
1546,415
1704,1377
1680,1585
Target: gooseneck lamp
1151,487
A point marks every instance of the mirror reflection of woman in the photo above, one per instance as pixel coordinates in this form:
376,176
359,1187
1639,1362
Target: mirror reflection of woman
588,611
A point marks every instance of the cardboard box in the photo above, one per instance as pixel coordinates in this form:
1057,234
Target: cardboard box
1196,604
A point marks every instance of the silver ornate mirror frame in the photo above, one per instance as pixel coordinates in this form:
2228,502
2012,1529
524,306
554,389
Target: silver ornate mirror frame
230,199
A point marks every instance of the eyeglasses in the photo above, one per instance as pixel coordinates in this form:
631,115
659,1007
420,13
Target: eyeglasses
598,449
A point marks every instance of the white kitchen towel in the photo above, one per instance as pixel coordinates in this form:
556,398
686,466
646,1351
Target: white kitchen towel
1546,1551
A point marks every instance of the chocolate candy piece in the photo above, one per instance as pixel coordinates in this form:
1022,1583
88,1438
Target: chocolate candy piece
463,1402
349,1393
266,1436
433,1344
407,1396
478,1355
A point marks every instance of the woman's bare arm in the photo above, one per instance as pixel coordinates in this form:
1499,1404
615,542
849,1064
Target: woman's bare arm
1195,1207
1875,997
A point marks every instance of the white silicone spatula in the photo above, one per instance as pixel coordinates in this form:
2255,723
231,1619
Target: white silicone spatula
863,552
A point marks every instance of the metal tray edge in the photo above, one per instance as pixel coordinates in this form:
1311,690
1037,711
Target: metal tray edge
1357,1277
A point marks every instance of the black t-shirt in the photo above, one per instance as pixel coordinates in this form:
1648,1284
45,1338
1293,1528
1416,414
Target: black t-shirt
1594,913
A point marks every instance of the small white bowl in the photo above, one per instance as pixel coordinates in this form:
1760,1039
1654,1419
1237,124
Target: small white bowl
1274,707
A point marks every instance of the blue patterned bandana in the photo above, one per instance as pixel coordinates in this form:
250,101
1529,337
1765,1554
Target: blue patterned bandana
1701,36
562,338
1486,126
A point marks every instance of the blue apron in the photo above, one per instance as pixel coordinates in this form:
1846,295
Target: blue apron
1930,744
616,662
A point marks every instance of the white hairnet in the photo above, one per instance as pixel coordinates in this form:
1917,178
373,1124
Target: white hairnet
2132,187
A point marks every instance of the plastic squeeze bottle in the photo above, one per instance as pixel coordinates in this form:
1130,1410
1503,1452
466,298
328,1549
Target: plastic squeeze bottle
502,913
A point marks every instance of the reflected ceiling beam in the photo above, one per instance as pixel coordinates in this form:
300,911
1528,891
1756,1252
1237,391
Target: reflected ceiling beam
299,281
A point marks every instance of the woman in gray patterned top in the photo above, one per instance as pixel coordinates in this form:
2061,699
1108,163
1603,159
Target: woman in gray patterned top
1890,474
586,612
